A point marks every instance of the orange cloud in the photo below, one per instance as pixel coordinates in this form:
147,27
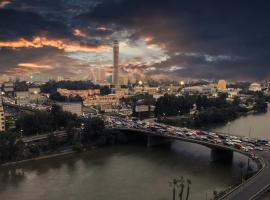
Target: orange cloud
39,42
4,3
148,40
34,66
78,32
102,28
23,68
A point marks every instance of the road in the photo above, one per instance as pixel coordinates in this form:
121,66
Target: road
253,188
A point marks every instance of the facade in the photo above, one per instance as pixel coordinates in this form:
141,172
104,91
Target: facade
8,87
255,87
33,95
2,119
74,108
204,89
2,116
98,75
115,63
123,80
98,100
222,85
84,94
34,90
22,97
146,89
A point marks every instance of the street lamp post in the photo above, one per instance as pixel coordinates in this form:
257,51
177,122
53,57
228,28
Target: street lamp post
229,127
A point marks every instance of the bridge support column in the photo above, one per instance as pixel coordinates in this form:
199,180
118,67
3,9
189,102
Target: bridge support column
156,140
221,155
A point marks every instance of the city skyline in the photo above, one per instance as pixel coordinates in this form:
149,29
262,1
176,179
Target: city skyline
174,40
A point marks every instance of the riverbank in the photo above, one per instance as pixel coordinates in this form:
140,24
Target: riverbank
65,152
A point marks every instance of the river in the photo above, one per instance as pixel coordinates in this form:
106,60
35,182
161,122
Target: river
128,172
255,126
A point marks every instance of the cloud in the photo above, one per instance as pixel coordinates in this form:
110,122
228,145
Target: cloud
217,31
39,42
34,66
195,39
4,4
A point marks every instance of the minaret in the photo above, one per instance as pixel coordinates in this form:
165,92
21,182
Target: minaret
115,63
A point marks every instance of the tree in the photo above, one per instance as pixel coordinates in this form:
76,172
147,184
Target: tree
52,141
174,184
182,187
11,148
188,188
93,128
78,147
260,105
236,101
34,150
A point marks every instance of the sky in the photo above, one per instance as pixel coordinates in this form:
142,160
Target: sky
173,39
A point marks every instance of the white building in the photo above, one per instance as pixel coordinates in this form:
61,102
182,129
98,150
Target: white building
2,116
74,108
33,95
204,89
255,87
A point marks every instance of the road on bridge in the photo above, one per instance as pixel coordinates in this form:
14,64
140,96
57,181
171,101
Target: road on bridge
256,185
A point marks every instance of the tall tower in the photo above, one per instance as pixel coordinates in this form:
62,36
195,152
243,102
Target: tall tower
115,63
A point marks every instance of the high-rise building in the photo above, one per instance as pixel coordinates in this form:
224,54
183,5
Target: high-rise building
123,80
222,85
2,116
116,63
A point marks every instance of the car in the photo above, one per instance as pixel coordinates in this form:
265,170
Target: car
259,148
249,148
179,133
202,137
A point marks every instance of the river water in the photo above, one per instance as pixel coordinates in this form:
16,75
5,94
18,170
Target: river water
129,172
255,126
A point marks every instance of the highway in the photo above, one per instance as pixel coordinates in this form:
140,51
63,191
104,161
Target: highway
255,186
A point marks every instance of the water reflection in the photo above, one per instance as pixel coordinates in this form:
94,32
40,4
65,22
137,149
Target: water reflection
256,126
118,173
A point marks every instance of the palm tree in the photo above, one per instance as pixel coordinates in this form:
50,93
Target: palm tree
182,186
174,184
188,188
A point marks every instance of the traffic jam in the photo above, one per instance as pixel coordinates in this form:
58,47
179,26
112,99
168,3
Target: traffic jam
245,144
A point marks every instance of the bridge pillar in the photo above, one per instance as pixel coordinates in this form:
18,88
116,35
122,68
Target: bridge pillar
157,140
221,155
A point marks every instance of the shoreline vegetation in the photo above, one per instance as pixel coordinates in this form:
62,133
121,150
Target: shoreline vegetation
202,111
80,132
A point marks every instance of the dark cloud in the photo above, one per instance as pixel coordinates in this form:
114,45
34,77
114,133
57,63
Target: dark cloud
231,28
16,24
203,39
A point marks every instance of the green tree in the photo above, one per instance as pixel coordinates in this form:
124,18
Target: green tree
188,188
182,187
52,141
94,127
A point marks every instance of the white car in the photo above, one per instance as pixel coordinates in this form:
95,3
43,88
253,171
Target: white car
259,148
268,144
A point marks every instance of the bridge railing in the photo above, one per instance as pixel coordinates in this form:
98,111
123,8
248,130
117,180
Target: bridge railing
235,191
